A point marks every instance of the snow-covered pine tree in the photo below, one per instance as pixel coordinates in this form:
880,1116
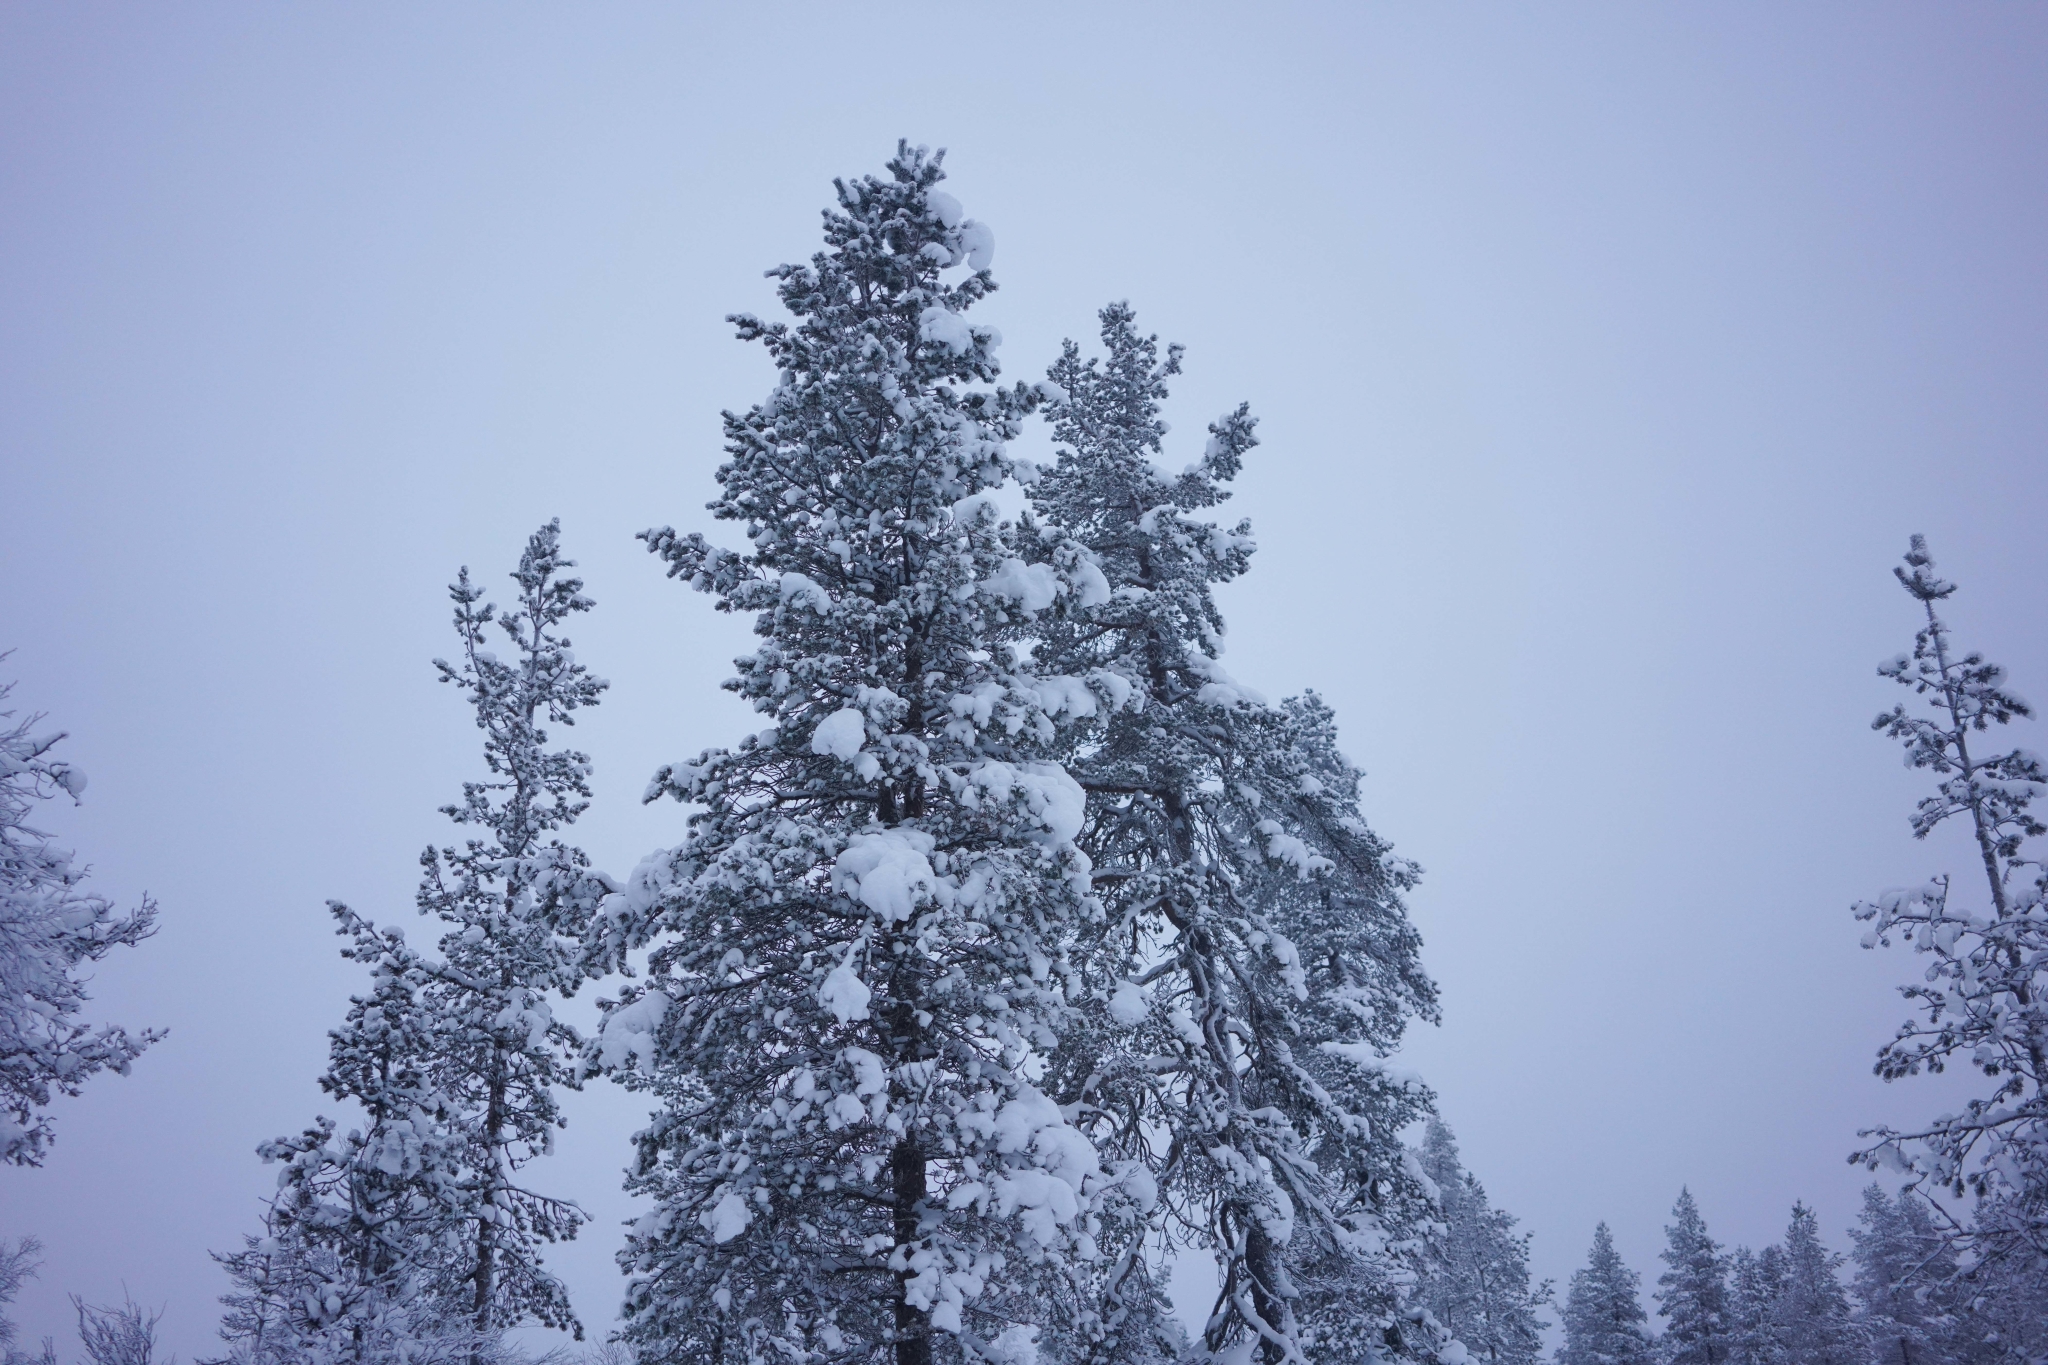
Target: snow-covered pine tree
50,927
1256,963
858,951
1814,1323
414,1238
1604,1322
1475,1282
515,900
1756,1281
1905,1283
1692,1293
353,1251
2002,1301
1985,996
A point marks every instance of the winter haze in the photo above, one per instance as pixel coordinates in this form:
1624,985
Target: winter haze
1605,359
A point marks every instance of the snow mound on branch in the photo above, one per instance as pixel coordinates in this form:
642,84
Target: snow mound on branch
1362,1056
870,1077
970,240
1014,1345
1127,1006
1043,1195
1039,1202
979,242
1139,1184
1052,797
1026,1113
1031,1122
844,993
943,327
1089,581
629,1030
840,734
728,1218
976,508
1063,693
889,871
1286,848
1031,586
799,591
1219,688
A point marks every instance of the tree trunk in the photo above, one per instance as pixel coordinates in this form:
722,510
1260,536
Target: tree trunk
486,1229
1262,1259
913,1326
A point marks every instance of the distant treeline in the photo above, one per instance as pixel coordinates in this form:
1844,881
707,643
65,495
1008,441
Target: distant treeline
1910,1292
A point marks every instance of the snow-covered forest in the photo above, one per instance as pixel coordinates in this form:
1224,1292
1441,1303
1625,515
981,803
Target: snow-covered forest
993,863
1025,952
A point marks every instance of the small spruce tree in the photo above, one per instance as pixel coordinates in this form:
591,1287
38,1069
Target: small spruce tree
1692,1293
1604,1322
1756,1282
1905,1282
1814,1323
1475,1282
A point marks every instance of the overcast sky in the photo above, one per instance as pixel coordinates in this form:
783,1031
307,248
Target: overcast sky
1606,356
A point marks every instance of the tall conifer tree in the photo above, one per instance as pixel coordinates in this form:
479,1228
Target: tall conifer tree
1256,963
413,1238
1985,993
1475,1282
858,953
1604,1322
1812,1313
1756,1284
1692,1293
1906,1282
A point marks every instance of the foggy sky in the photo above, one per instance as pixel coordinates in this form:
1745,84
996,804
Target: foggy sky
1606,356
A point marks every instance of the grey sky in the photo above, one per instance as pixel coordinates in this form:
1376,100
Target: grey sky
1606,357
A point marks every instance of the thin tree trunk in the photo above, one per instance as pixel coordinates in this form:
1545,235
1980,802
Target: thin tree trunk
487,1228
913,1326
